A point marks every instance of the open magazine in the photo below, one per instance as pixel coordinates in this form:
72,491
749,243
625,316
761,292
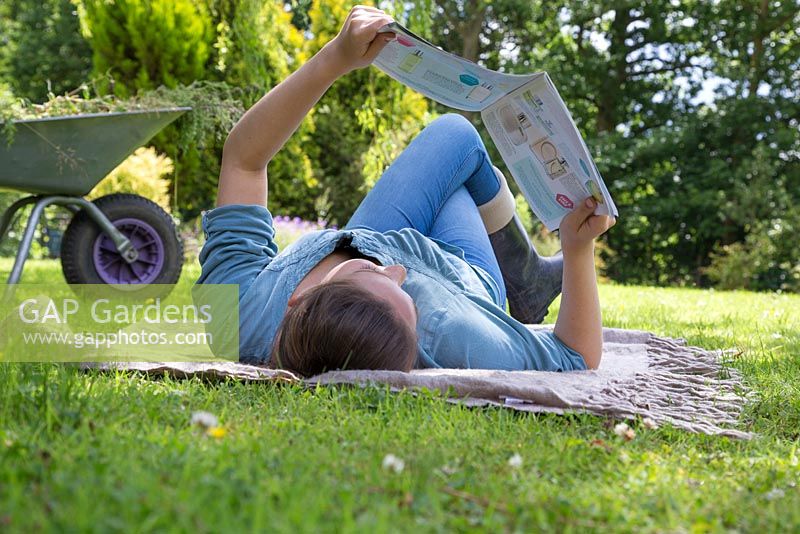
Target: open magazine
527,119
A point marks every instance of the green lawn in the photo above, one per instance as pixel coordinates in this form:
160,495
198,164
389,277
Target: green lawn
84,451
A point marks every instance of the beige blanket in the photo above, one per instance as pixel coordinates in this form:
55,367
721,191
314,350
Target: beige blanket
640,375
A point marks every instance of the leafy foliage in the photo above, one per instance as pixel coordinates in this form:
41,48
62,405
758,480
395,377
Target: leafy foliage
249,44
142,44
361,123
142,173
690,108
692,171
255,48
41,49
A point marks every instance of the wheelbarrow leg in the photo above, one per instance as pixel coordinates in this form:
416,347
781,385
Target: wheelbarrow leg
8,215
27,239
123,244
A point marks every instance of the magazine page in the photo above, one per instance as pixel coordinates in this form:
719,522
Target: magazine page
544,152
524,114
444,77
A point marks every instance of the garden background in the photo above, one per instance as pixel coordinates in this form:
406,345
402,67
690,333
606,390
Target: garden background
689,107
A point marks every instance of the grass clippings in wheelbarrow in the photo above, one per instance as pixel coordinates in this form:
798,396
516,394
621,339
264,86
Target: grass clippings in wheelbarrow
217,107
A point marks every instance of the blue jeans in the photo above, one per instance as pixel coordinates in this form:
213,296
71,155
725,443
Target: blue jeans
435,186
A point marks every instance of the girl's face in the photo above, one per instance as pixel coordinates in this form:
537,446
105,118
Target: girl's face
384,282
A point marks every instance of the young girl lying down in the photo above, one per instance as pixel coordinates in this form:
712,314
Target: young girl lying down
420,275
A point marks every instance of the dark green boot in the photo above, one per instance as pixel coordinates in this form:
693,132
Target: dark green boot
532,281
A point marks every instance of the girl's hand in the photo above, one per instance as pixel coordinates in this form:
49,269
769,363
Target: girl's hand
358,42
581,226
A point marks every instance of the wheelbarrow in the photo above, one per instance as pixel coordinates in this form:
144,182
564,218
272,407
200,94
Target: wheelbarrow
120,239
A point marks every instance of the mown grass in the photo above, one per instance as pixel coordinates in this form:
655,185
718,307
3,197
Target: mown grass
88,451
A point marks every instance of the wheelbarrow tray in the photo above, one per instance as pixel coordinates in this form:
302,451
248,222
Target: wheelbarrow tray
69,155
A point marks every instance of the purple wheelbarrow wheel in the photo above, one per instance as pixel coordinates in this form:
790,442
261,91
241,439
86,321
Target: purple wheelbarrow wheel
112,267
89,256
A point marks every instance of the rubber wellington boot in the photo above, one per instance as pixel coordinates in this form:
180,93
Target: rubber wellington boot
532,281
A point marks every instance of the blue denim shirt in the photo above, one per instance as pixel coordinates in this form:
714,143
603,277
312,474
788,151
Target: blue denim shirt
460,325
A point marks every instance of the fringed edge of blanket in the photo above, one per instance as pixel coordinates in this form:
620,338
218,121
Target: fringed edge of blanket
689,387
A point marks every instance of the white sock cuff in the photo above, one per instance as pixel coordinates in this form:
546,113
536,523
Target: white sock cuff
500,210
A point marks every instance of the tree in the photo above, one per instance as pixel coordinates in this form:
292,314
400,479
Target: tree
756,52
41,49
694,179
690,179
249,44
478,30
634,64
255,48
142,44
362,122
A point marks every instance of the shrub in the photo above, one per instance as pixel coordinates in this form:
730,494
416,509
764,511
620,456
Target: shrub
144,173
255,48
148,42
247,44
768,258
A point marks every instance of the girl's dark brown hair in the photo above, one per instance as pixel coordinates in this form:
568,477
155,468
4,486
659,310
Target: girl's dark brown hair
339,325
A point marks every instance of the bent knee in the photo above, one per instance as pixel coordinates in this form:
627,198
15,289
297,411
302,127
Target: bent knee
457,127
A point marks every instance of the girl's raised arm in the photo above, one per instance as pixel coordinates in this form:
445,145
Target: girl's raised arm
579,324
266,127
